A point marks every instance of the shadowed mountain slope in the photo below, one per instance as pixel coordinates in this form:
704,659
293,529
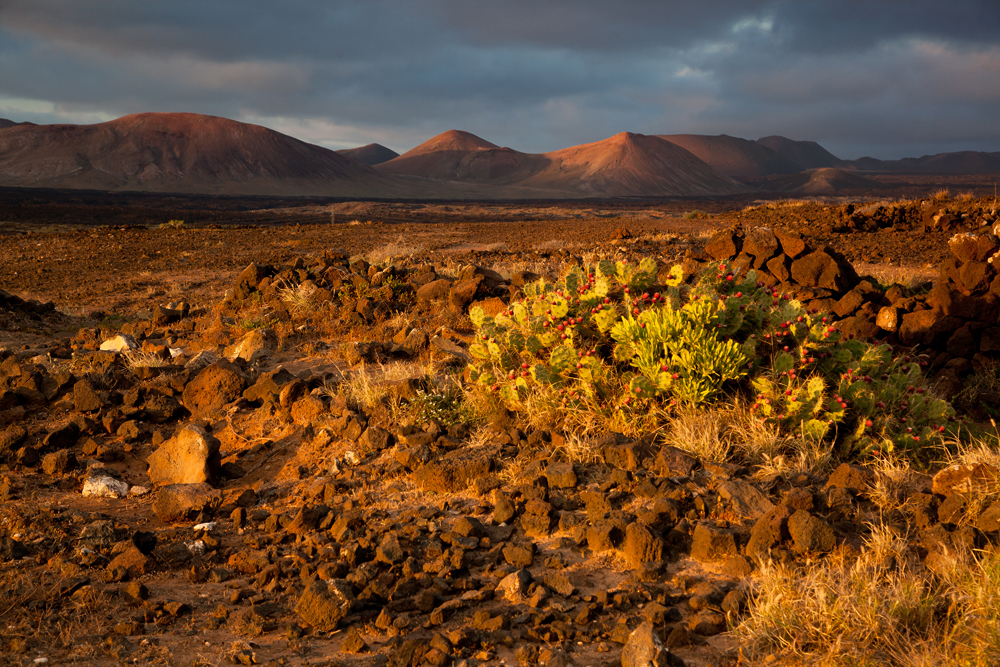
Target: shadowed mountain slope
804,154
961,162
372,154
738,158
823,181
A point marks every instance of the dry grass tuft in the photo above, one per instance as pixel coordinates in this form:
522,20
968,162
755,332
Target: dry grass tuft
300,298
883,608
907,276
701,433
140,359
401,247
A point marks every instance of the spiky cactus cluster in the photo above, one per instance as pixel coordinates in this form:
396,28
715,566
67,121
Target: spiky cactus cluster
609,342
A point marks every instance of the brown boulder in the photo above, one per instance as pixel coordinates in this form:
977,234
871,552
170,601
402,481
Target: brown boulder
969,247
761,243
974,277
463,293
723,245
644,648
825,270
215,386
324,604
456,470
779,268
792,243
810,534
190,457
85,398
434,291
963,478
711,543
918,328
176,503
642,546
859,327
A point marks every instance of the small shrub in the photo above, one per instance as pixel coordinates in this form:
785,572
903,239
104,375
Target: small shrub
444,409
172,224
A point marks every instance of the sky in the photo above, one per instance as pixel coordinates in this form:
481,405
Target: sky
880,78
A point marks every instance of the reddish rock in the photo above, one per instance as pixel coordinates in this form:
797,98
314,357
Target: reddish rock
761,243
792,243
711,543
723,245
918,328
644,648
176,503
455,471
974,277
324,604
810,534
642,546
780,267
215,386
434,291
190,457
963,478
851,477
821,269
85,398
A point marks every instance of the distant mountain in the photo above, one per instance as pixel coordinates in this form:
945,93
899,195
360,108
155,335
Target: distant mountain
191,153
739,158
180,152
439,158
962,162
372,154
804,154
630,164
823,181
624,165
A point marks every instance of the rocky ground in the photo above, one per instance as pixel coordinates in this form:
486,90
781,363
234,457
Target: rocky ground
249,445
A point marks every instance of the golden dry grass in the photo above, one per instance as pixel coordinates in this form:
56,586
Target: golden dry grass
882,608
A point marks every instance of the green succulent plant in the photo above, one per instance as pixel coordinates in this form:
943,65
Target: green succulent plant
607,341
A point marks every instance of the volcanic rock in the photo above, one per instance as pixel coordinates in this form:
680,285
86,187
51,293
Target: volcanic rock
190,457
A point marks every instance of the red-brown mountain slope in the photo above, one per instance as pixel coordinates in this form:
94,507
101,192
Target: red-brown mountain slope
179,152
630,164
627,164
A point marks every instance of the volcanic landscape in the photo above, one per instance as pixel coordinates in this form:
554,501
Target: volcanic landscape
252,408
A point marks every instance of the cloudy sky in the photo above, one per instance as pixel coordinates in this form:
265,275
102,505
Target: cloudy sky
886,78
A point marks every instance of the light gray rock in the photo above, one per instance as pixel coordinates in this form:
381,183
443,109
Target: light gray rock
119,343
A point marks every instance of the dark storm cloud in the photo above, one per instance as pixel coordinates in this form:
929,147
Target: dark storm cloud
889,78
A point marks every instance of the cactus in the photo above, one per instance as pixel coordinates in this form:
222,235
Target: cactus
607,341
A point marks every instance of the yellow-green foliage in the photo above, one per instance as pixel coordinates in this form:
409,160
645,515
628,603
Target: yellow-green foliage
607,346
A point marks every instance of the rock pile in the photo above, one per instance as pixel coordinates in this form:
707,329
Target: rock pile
955,324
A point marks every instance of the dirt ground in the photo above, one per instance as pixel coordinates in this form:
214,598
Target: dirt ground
228,595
